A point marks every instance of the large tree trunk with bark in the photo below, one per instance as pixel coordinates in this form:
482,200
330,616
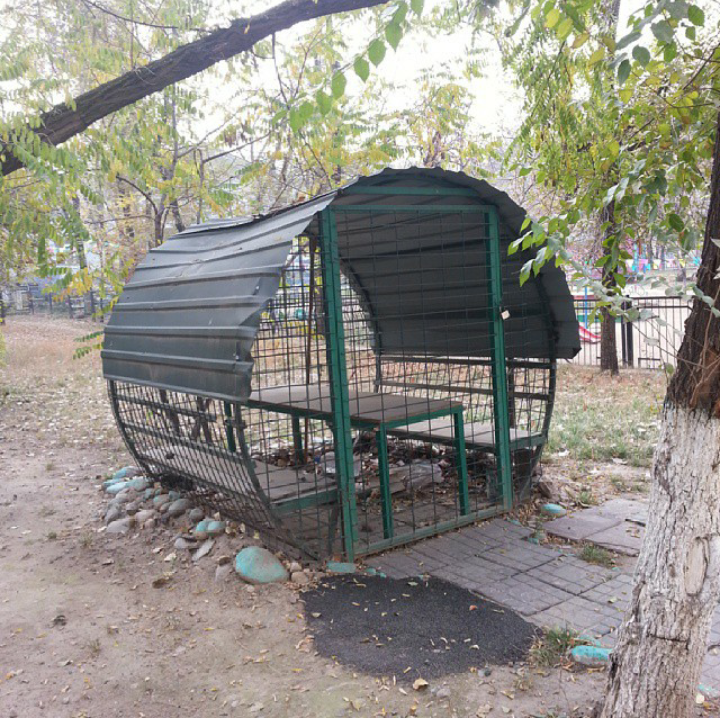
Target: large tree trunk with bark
67,120
662,643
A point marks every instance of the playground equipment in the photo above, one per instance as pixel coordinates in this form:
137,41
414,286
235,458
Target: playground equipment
351,373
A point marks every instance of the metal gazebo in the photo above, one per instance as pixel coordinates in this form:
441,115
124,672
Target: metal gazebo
348,374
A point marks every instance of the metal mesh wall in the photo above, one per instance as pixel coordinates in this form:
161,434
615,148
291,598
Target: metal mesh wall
357,334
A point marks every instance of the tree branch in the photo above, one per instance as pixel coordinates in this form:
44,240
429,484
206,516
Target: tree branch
65,121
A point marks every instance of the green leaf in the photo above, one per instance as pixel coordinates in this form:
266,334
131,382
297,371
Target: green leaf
362,69
624,71
675,222
417,6
324,102
376,51
393,33
400,14
669,52
696,16
627,40
552,18
663,31
597,56
565,28
338,84
295,120
641,54
580,40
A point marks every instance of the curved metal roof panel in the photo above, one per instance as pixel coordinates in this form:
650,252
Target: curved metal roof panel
188,317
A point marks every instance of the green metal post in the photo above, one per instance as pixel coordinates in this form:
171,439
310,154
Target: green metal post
229,431
499,371
335,349
384,474
461,462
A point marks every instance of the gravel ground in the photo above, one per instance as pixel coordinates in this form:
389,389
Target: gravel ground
87,631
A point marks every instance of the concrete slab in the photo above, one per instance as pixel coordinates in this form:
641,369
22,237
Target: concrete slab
622,508
617,525
579,525
625,537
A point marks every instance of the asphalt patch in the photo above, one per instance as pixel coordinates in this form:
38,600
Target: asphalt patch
413,627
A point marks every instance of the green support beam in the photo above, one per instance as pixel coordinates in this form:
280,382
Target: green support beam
499,371
384,474
335,346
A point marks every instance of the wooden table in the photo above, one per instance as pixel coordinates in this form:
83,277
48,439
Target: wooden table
376,412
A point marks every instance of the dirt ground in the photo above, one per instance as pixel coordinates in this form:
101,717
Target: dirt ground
86,633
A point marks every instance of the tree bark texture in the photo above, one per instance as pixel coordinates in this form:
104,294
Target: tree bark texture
662,643
65,121
608,332
608,343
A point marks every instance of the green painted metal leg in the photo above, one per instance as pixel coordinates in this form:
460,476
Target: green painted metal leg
461,462
298,441
337,370
384,473
499,370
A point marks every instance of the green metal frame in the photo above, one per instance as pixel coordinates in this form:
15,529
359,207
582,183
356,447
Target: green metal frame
499,371
341,420
337,367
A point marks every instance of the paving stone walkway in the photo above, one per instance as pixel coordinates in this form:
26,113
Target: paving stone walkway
617,525
548,586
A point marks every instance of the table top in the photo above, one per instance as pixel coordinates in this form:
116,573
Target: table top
365,407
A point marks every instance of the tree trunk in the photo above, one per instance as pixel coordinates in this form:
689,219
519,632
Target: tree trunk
67,120
608,335
662,643
608,344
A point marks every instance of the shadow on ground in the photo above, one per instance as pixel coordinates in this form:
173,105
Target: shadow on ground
412,627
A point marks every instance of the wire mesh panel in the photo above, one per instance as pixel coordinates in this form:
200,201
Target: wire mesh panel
401,384
196,444
430,462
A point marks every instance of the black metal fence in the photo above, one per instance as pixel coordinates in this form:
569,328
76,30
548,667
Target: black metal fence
649,343
23,301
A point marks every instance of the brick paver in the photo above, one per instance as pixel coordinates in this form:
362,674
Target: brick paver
549,587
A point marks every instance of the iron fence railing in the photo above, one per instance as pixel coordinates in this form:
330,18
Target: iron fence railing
21,301
649,343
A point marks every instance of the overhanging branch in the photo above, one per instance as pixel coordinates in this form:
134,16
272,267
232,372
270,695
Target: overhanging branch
63,121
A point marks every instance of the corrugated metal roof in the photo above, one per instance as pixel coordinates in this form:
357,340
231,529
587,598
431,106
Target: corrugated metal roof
188,318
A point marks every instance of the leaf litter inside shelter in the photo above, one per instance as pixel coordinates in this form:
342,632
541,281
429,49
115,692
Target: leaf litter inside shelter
412,627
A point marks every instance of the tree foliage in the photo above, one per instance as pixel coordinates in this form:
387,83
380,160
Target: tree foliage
624,121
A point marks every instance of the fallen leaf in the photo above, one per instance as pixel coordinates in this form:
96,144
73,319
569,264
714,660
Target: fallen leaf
420,684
